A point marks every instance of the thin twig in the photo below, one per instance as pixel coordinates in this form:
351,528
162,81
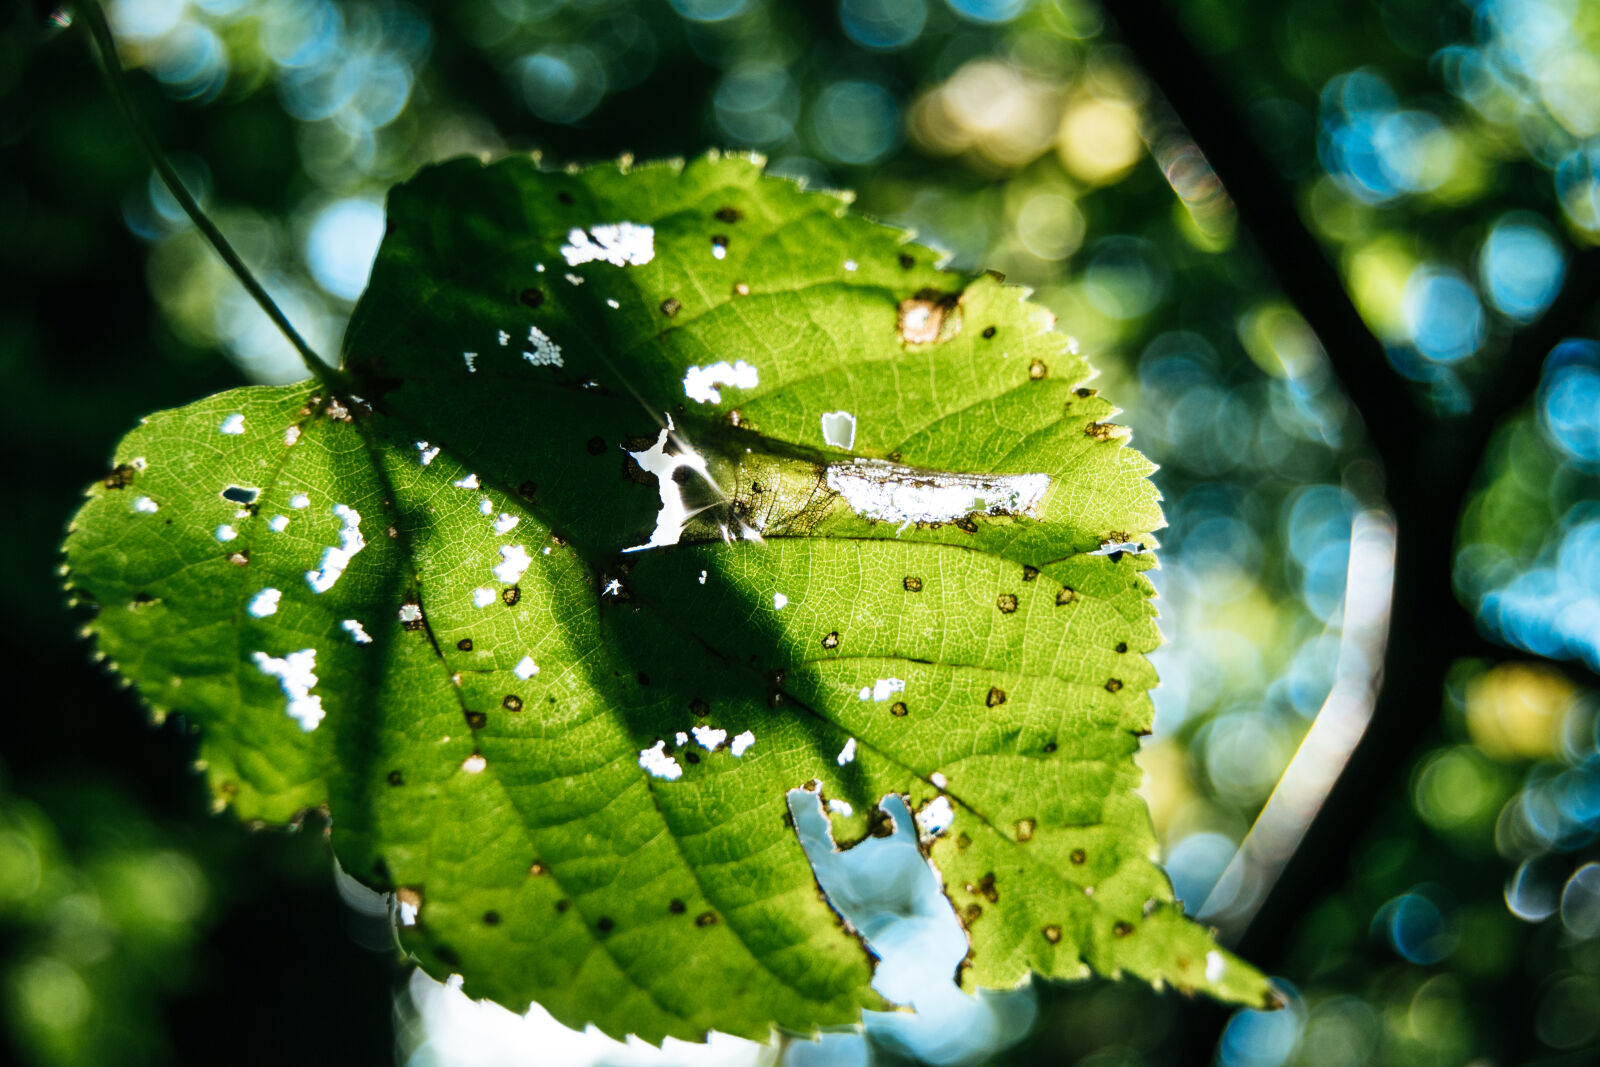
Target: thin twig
105,49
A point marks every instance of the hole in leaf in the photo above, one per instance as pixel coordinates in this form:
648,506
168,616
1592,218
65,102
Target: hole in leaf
240,494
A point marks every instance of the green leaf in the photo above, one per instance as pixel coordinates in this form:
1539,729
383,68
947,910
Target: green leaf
879,537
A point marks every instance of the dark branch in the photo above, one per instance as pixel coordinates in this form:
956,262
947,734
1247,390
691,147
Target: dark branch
1267,211
1429,465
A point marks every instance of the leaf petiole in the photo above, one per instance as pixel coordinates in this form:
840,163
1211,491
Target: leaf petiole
105,50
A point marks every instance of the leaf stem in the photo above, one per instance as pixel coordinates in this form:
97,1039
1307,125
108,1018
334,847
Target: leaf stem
105,49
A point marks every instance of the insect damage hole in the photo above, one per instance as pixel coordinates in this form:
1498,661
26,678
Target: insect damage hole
241,494
918,898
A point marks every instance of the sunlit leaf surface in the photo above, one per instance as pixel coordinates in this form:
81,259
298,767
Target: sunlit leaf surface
665,494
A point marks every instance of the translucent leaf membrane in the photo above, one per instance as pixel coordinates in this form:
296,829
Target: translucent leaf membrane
666,492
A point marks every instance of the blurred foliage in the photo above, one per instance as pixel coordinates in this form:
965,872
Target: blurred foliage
99,930
1445,152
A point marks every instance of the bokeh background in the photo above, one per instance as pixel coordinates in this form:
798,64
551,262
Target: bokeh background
1436,166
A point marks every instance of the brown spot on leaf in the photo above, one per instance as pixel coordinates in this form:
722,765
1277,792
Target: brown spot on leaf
729,214
396,778
1037,371
922,317
563,905
1025,829
1113,685
512,702
1122,646
706,918
1029,573
1101,431
510,595
912,584
988,333
465,644
741,289
1084,392
239,559
907,261
477,720
676,906
996,697
671,306
971,914
491,918
538,869
121,477
1006,602
831,640
898,709
1052,934
963,842
1122,929
1066,596
604,924
1079,856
